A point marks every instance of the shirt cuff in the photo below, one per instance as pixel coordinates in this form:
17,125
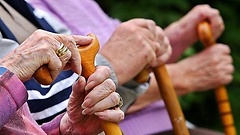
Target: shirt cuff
102,61
2,70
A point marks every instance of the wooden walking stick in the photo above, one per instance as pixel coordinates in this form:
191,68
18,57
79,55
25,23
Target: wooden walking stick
171,100
169,97
88,54
206,37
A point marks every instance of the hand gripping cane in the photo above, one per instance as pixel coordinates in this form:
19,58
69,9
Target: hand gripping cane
88,53
206,37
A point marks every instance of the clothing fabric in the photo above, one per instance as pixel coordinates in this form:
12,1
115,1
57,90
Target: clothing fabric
15,117
80,16
99,24
95,21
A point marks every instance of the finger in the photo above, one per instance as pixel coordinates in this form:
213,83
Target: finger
101,74
77,96
110,102
115,115
217,23
147,24
54,63
72,42
98,93
162,58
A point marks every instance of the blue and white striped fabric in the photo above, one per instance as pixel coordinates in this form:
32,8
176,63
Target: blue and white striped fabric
45,102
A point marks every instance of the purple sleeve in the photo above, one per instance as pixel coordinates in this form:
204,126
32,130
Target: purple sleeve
52,127
13,95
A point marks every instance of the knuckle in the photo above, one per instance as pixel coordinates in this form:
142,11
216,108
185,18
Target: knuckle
109,85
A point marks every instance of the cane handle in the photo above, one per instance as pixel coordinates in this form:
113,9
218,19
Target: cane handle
88,53
206,37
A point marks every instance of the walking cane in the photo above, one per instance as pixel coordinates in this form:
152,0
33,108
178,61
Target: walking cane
206,37
169,97
88,53
171,100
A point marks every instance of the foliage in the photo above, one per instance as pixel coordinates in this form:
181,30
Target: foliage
199,108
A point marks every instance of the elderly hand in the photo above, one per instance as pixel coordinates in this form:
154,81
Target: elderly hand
209,69
39,49
183,33
134,45
89,103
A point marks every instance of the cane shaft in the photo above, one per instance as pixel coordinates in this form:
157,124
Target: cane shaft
206,37
171,101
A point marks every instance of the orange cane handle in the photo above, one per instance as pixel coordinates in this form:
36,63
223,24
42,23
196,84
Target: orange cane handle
43,76
206,37
88,53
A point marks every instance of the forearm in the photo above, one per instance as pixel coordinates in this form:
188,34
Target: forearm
13,95
178,78
179,39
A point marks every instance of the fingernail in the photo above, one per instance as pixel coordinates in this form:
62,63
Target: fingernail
86,103
87,111
89,85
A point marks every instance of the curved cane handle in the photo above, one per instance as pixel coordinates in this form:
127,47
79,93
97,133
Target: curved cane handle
206,37
88,53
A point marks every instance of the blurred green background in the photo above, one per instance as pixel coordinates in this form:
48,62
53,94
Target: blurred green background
199,108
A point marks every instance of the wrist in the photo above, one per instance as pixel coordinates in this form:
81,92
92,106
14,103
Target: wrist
178,78
65,126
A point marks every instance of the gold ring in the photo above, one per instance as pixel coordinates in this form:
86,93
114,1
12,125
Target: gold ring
62,50
120,103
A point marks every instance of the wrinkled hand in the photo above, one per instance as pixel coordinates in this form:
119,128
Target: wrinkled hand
209,69
138,42
183,32
89,103
39,49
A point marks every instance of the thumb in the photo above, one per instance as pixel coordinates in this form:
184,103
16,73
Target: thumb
78,94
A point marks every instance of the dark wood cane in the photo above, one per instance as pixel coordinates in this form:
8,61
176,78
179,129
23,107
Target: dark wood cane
206,37
88,53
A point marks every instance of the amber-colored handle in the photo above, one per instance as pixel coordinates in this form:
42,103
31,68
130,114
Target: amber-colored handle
88,54
207,39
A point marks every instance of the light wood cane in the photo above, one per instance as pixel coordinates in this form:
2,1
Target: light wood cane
206,37
169,97
171,101
88,53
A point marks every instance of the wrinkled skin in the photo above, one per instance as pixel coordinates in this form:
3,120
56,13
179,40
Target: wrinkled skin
86,119
183,33
90,101
139,43
210,68
40,49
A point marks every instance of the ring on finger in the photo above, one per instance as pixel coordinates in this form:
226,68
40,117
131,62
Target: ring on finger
62,50
120,102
